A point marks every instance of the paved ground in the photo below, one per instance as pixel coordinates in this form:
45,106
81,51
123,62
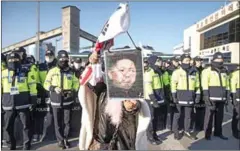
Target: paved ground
170,144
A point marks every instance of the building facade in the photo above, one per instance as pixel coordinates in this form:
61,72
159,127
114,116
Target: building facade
178,49
218,32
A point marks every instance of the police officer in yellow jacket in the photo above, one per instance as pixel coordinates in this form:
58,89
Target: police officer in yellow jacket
3,62
215,84
185,93
235,90
154,95
19,95
44,68
62,84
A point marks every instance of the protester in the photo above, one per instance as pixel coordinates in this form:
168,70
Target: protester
116,122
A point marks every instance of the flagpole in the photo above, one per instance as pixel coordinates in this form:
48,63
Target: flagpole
132,40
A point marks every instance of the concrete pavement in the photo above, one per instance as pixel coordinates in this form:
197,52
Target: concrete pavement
169,143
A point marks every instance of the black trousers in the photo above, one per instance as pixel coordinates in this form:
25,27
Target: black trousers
10,117
170,113
180,110
236,120
48,120
152,131
199,118
62,122
217,116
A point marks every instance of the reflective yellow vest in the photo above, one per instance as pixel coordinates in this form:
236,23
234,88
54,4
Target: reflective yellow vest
235,84
67,81
185,86
153,86
215,84
24,86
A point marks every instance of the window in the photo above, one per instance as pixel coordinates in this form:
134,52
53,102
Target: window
221,35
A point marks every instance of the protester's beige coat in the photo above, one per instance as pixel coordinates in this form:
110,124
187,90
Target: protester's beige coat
88,102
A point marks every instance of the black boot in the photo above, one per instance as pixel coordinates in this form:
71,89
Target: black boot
221,136
61,145
66,143
11,145
177,136
26,146
235,135
190,136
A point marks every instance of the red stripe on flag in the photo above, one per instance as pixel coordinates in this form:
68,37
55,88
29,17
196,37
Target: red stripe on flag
104,45
86,76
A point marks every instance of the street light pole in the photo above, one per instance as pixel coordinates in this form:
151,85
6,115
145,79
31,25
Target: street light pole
38,31
56,45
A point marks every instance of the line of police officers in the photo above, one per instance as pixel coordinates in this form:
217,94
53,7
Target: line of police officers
26,84
193,96
172,91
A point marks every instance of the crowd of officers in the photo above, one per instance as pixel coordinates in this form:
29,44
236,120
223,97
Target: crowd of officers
186,97
26,85
175,89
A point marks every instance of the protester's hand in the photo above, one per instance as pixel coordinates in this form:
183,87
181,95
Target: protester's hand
93,58
58,90
130,104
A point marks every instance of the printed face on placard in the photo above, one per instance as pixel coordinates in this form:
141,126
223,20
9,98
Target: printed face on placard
123,73
124,70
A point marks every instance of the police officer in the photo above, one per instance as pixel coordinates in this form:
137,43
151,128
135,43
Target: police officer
235,90
36,115
154,95
163,116
200,108
77,66
62,84
215,84
19,96
184,87
50,62
171,65
4,66
3,62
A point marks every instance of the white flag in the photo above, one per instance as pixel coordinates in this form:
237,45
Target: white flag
118,23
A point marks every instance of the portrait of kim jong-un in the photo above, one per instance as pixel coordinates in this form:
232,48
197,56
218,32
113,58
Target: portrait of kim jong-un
124,74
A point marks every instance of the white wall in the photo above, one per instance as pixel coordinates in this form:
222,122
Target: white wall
195,40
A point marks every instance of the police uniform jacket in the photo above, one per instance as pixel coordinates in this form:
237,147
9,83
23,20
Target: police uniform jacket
215,84
67,81
19,90
185,86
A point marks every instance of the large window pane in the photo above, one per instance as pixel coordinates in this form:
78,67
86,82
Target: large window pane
238,37
232,27
221,35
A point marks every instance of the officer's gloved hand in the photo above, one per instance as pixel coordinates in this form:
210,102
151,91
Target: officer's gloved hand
234,99
197,99
58,90
154,104
207,101
153,101
212,107
33,103
174,97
